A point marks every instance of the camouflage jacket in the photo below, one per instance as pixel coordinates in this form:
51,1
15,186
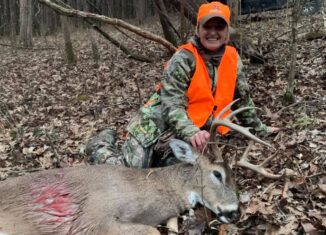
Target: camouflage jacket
166,109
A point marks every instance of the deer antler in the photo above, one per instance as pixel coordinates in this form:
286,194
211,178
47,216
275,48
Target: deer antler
245,131
226,122
257,168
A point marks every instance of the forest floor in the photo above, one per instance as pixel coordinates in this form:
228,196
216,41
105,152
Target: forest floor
48,111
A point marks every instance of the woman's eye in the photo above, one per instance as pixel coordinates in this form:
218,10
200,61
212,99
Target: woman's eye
218,175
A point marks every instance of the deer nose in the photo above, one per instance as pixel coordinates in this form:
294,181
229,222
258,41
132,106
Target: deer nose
233,215
230,216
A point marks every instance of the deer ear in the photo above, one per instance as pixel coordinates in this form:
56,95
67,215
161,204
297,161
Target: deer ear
183,151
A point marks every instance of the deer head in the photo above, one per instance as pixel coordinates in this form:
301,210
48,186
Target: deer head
218,191
212,182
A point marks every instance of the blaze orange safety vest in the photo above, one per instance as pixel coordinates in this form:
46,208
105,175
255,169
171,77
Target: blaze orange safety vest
201,102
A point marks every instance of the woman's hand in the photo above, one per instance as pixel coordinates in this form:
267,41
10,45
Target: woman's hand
199,140
273,130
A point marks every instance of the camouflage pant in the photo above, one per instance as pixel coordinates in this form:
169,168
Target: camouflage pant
101,149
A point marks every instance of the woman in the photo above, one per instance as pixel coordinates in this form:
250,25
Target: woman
200,79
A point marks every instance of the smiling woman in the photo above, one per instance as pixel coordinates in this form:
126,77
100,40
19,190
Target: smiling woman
200,80
213,34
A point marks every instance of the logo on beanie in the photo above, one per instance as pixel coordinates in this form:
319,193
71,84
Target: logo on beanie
215,8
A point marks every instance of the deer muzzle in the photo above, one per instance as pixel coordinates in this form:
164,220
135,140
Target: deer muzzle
229,216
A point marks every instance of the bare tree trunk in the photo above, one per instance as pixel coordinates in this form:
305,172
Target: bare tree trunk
26,23
140,8
30,22
169,32
234,7
296,10
189,9
96,53
69,50
13,17
182,21
123,9
5,18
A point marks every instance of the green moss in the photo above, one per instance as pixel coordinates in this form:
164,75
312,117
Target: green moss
303,121
314,35
288,98
13,134
83,98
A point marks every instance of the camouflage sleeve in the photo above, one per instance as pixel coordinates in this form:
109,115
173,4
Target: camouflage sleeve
177,77
247,118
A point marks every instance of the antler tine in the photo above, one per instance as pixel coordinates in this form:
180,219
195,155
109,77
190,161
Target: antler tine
243,130
218,117
233,113
212,139
256,168
213,146
226,108
225,122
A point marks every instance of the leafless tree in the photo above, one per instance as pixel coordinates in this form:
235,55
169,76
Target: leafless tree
13,25
96,53
234,5
69,50
140,9
288,96
26,22
170,33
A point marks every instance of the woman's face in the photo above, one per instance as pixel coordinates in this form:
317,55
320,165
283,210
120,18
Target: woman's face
213,34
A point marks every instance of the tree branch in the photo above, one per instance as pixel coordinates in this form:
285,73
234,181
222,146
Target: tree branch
118,44
108,37
113,21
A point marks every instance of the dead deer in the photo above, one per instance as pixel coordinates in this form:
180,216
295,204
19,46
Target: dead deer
117,200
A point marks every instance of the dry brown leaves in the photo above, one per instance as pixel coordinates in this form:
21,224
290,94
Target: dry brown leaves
48,110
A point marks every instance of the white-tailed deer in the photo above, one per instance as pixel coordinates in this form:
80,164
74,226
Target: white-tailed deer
108,200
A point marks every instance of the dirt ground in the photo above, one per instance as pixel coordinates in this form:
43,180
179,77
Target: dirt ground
48,110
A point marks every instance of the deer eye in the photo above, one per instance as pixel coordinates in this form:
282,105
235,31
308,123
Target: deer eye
218,175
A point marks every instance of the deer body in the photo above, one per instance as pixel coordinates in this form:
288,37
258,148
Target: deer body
108,200
99,199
